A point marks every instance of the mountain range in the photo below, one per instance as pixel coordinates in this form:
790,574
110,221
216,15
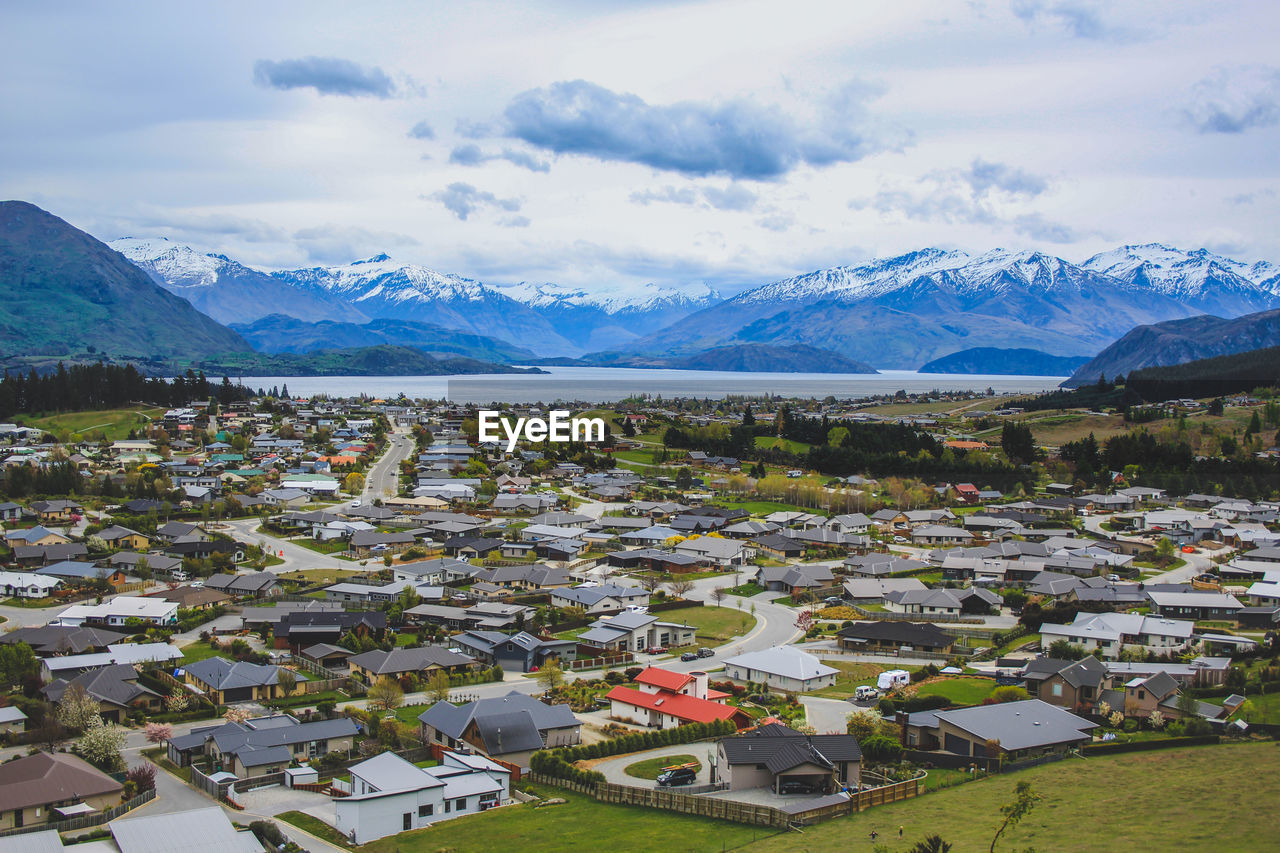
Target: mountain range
1180,341
900,312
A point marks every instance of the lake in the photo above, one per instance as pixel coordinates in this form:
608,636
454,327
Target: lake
608,384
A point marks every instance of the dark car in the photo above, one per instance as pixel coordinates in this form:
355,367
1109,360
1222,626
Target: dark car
795,786
706,653
688,656
678,776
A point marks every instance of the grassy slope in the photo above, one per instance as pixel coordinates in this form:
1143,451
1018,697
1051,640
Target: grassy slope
1162,800
112,423
715,624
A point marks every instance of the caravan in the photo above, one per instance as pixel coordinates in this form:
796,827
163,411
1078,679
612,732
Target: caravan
893,679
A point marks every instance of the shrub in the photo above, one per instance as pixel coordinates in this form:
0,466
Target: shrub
143,777
267,833
1130,725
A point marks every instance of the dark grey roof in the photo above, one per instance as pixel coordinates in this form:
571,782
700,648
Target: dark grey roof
1020,725
116,684
781,748
453,720
513,731
60,639
222,674
409,660
909,633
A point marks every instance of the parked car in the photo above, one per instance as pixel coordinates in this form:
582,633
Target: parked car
688,656
655,650
677,776
795,786
865,693
833,600
1113,578
704,652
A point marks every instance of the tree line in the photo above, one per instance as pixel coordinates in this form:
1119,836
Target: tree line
104,386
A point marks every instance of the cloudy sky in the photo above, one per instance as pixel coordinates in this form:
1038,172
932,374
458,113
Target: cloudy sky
609,144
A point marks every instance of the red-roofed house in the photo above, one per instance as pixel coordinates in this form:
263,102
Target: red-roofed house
968,493
668,699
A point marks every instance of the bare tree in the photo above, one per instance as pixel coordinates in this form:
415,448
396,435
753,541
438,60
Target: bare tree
680,587
718,594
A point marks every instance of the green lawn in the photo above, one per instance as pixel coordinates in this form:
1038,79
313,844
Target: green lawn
775,442
651,767
1266,707
1161,800
409,713
716,625
31,603
961,691
334,546
765,507
581,824
852,675
746,590
198,651
316,827
329,576
113,424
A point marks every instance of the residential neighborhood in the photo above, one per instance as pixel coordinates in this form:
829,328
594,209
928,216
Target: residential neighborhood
491,626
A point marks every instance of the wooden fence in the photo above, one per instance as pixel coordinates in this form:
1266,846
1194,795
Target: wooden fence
96,819
739,812
882,616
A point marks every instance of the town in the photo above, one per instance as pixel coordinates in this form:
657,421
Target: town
258,621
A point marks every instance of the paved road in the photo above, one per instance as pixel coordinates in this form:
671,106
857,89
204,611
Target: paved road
614,769
382,480
827,716
295,556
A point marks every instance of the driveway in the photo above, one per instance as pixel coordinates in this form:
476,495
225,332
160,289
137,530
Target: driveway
614,768
827,716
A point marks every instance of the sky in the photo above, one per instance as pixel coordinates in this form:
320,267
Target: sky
604,145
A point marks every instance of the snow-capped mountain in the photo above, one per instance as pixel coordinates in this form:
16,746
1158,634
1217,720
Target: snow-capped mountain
1212,283
903,311
384,288
223,289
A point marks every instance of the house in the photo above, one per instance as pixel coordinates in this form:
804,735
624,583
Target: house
632,631
37,535
795,580
718,551
783,668
935,534
1075,686
875,589
923,602
470,547
1105,634
438,571
192,597
119,611
159,564
772,754
225,682
49,640
1012,730
262,745
532,576
779,546
510,727
122,537
292,498
208,828
27,585
43,555
44,787
297,629
366,542
70,665
75,571
665,700
1195,605
390,795
55,510
519,652
1142,696
602,598
328,656
115,688
894,637
12,719
420,662
172,531
253,585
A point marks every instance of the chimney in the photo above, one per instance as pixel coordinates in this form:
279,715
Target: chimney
699,684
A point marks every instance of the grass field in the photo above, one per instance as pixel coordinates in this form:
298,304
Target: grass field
962,691
113,424
775,442
329,576
716,625
852,675
197,651
651,767
1166,800
581,824
765,507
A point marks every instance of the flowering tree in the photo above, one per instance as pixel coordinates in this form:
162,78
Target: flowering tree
1156,720
177,702
101,744
1104,709
158,732
77,710
805,620
1116,719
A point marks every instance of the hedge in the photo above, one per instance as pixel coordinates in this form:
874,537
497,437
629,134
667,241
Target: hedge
639,741
1144,745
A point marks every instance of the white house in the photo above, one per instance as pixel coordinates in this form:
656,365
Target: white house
783,667
389,795
1105,634
118,610
27,585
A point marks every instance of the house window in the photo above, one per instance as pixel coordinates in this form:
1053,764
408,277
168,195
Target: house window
1057,690
448,806
460,804
426,811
